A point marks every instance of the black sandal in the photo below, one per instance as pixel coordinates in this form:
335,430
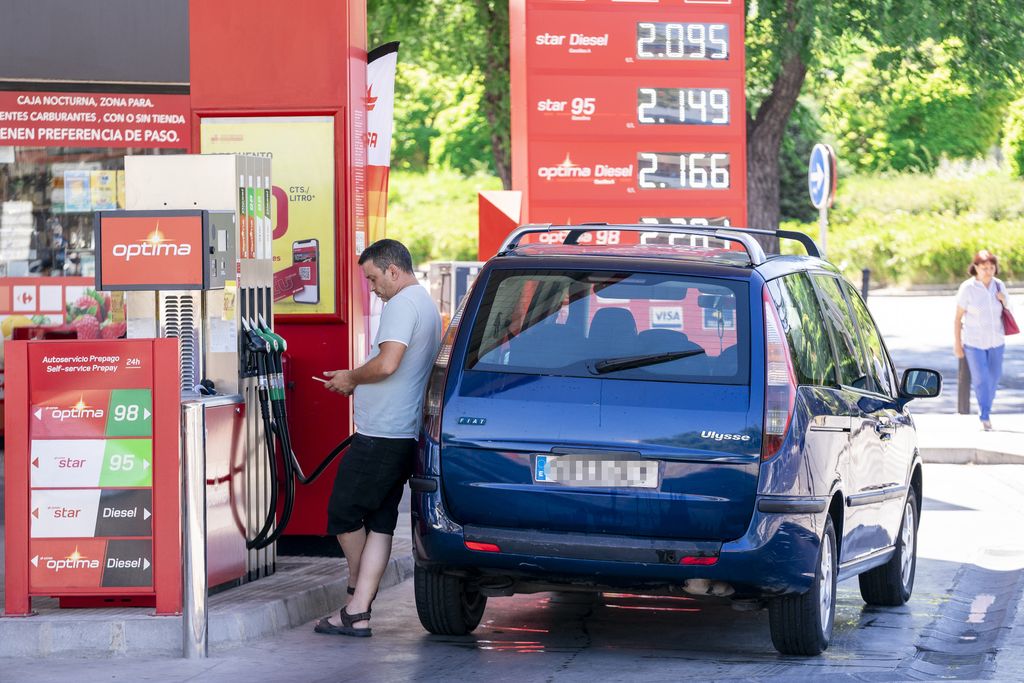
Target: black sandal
346,628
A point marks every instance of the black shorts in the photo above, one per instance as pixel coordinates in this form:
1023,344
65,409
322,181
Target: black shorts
369,484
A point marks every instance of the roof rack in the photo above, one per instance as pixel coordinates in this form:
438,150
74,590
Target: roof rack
742,235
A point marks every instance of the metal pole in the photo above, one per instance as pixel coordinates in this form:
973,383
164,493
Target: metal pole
195,620
963,388
822,229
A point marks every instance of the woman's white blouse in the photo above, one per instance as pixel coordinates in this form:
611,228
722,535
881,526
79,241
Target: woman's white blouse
983,321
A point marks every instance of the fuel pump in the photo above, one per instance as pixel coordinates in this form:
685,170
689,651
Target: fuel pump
268,348
231,360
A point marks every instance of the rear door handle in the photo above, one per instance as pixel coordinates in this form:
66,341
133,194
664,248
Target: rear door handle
884,429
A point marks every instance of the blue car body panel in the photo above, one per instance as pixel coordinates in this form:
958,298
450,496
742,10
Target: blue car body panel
763,520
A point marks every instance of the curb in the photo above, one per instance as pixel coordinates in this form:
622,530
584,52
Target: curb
969,456
129,633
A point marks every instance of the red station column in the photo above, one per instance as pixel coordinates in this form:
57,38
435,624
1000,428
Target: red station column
279,71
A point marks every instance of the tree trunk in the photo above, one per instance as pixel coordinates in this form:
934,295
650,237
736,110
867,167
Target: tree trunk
494,20
764,140
499,138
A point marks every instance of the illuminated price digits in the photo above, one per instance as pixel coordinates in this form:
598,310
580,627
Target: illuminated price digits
667,40
647,158
645,36
705,106
719,175
698,176
683,171
124,413
122,462
642,107
696,34
720,101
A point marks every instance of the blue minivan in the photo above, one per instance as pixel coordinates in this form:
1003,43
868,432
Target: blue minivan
675,413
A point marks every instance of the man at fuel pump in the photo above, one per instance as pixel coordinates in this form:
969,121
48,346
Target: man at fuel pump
387,393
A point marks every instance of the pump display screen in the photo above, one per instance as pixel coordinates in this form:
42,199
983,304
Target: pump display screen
151,250
629,109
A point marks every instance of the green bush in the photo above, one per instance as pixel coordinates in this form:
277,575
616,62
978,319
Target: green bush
916,229
435,214
1013,138
919,249
910,116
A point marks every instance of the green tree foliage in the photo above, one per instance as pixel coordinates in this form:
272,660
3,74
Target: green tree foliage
909,116
789,38
457,39
437,121
802,132
435,214
786,41
1013,137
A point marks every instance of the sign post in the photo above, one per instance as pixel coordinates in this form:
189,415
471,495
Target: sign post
821,183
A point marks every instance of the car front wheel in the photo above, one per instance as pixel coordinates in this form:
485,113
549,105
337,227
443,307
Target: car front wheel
447,605
802,624
891,584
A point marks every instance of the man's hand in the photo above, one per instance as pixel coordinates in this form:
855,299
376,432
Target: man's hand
340,382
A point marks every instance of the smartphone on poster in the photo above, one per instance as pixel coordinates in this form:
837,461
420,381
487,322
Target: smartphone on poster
306,255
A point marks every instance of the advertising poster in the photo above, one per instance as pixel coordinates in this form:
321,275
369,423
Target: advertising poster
103,186
302,205
77,196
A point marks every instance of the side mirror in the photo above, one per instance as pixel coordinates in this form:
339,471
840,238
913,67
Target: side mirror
920,383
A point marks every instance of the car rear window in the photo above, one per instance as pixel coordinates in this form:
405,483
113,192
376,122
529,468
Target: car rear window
616,325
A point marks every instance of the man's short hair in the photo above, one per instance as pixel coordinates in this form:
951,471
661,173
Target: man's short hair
385,253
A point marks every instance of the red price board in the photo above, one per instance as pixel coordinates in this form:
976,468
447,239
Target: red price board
624,111
92,471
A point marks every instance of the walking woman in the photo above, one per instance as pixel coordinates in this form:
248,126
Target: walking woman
978,329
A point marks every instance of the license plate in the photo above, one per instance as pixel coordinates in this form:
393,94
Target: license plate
574,470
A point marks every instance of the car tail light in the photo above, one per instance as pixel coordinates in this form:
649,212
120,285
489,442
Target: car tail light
438,377
780,383
483,547
699,560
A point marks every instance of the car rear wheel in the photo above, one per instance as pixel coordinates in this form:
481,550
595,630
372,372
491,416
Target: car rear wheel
802,624
891,584
446,605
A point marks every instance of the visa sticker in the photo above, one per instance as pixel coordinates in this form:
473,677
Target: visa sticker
542,462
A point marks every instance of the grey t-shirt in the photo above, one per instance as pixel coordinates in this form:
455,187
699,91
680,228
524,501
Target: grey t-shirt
391,408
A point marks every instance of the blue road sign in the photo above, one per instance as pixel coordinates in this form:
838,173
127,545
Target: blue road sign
819,175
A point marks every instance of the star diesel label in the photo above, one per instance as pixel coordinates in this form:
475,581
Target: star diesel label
86,513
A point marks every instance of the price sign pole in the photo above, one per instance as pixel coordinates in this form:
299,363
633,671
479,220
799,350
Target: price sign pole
821,184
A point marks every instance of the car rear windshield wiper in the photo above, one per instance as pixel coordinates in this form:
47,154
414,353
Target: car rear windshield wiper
630,362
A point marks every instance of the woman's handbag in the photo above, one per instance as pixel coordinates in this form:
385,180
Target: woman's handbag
1009,324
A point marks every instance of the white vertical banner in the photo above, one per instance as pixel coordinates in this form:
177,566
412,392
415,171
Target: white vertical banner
381,65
